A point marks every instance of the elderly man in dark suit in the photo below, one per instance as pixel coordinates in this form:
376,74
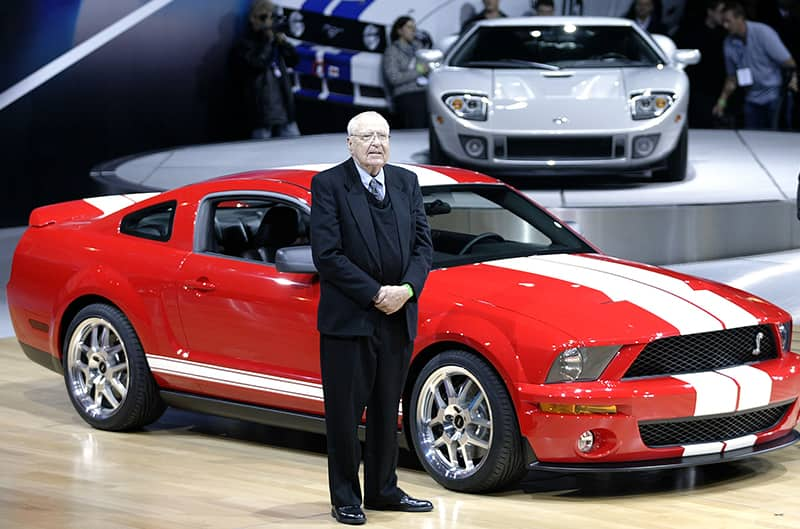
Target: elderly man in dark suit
371,244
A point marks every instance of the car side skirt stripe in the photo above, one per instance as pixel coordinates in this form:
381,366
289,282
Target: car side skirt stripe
731,314
686,317
235,377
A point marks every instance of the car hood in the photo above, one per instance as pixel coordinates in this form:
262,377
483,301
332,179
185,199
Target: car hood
561,101
607,300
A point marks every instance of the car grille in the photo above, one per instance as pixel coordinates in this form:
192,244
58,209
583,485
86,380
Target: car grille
693,353
338,32
706,430
560,147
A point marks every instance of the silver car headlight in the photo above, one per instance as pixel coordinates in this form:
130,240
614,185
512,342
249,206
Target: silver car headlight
785,334
468,106
581,363
371,36
296,24
648,105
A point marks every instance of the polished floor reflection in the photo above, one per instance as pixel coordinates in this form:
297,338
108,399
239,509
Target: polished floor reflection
195,471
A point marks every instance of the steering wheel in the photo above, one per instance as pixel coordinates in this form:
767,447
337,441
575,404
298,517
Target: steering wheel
479,238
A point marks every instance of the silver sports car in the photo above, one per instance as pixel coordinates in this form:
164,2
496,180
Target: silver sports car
547,94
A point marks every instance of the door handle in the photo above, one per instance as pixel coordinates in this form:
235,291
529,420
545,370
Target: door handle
201,284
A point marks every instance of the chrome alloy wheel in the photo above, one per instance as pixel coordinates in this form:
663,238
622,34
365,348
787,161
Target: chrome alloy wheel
97,365
454,422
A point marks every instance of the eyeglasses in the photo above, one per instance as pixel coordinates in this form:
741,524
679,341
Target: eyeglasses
368,137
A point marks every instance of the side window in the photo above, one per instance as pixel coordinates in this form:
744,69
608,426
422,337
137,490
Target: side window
153,223
254,228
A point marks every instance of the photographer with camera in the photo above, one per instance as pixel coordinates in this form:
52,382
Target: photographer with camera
265,55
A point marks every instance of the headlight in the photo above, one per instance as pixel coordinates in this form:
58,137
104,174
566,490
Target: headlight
647,105
468,106
296,24
372,37
785,334
581,363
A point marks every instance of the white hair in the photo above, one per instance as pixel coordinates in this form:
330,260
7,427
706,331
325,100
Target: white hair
351,125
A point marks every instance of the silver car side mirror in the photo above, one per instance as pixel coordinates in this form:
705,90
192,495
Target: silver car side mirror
686,57
432,58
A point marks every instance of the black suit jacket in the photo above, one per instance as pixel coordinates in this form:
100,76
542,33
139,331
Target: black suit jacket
345,247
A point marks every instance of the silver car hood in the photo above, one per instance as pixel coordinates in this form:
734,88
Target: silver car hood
564,100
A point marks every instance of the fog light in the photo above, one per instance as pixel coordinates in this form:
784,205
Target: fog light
473,146
586,441
644,145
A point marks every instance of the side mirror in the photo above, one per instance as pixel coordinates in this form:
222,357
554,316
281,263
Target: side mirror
431,58
295,259
448,41
666,44
686,57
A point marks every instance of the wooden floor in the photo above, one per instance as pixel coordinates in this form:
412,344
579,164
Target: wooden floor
193,471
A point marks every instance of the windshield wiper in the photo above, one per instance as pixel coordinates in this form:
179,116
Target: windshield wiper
512,63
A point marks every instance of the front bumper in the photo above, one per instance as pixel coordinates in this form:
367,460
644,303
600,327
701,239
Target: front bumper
661,464
553,151
721,430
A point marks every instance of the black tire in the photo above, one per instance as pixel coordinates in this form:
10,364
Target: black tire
677,161
435,152
106,372
485,434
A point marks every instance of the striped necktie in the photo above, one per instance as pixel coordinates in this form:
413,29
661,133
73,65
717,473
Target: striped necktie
376,188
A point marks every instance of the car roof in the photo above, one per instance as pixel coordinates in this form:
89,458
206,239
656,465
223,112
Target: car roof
556,21
301,175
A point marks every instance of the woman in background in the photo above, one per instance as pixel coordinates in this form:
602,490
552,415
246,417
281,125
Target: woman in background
405,78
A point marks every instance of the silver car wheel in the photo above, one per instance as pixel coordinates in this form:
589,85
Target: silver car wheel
454,422
98,371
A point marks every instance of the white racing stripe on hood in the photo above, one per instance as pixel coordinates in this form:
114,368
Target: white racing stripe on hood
755,386
679,313
113,203
729,313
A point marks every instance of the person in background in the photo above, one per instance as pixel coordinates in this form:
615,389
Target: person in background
265,56
755,59
705,33
404,76
647,16
491,9
371,244
541,8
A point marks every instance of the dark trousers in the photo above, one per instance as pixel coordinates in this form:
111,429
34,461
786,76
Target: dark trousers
361,371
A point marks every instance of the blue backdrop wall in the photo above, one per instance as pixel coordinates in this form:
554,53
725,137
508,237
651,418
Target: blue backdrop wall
165,81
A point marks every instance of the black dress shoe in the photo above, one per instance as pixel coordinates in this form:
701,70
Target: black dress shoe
406,504
349,514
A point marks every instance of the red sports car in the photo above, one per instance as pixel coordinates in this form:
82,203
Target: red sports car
535,351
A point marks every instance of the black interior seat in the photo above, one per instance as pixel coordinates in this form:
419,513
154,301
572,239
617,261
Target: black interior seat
235,239
279,228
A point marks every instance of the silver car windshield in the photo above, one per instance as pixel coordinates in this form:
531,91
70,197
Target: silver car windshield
554,47
472,223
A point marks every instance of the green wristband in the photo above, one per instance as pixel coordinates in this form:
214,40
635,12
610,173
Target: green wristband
410,290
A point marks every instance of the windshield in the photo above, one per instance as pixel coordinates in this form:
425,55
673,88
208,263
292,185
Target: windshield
474,223
554,47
